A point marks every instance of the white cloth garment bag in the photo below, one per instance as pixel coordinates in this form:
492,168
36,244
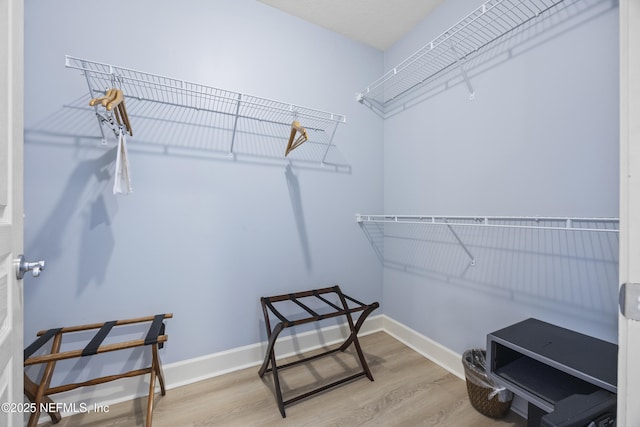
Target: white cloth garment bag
122,183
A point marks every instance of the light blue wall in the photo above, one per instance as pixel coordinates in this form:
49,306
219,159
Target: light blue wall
202,236
540,138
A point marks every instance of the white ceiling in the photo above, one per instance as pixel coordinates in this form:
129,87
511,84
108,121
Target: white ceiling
378,23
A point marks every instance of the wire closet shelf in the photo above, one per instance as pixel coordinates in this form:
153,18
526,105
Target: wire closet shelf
595,224
487,23
145,87
566,224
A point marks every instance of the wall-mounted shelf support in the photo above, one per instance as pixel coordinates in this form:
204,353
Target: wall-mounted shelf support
233,113
235,125
463,72
461,243
326,151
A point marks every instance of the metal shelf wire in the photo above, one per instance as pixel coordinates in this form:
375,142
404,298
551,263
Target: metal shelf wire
230,111
569,224
602,224
487,23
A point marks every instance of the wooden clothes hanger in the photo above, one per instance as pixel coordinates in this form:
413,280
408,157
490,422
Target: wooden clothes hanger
123,113
102,100
114,98
292,144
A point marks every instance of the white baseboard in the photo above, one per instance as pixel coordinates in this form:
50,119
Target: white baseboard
437,353
200,368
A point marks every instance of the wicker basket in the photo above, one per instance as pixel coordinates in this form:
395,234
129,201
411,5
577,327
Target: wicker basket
485,397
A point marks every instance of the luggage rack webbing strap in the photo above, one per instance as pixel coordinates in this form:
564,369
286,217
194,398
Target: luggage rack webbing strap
92,348
155,330
42,340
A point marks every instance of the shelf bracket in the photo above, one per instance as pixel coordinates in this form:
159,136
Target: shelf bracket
469,254
463,72
326,152
235,125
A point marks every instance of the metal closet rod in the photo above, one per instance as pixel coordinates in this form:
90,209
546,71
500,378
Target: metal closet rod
564,223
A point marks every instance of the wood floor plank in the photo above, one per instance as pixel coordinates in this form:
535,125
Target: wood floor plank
408,390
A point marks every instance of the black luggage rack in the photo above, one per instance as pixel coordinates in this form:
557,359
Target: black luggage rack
344,310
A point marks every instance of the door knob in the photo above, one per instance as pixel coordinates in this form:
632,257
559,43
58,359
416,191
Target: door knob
22,266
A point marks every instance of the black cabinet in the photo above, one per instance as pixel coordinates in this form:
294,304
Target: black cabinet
546,364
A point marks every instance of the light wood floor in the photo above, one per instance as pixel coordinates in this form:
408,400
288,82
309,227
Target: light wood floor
408,390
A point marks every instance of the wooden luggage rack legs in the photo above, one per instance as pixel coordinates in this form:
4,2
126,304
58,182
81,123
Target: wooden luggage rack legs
39,393
344,310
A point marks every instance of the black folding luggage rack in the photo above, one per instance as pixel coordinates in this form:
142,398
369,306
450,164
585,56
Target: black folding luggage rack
345,310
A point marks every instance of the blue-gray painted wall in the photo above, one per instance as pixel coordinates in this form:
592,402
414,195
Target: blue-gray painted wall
204,237
540,138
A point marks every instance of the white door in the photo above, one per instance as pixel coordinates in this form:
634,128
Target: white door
629,330
11,239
